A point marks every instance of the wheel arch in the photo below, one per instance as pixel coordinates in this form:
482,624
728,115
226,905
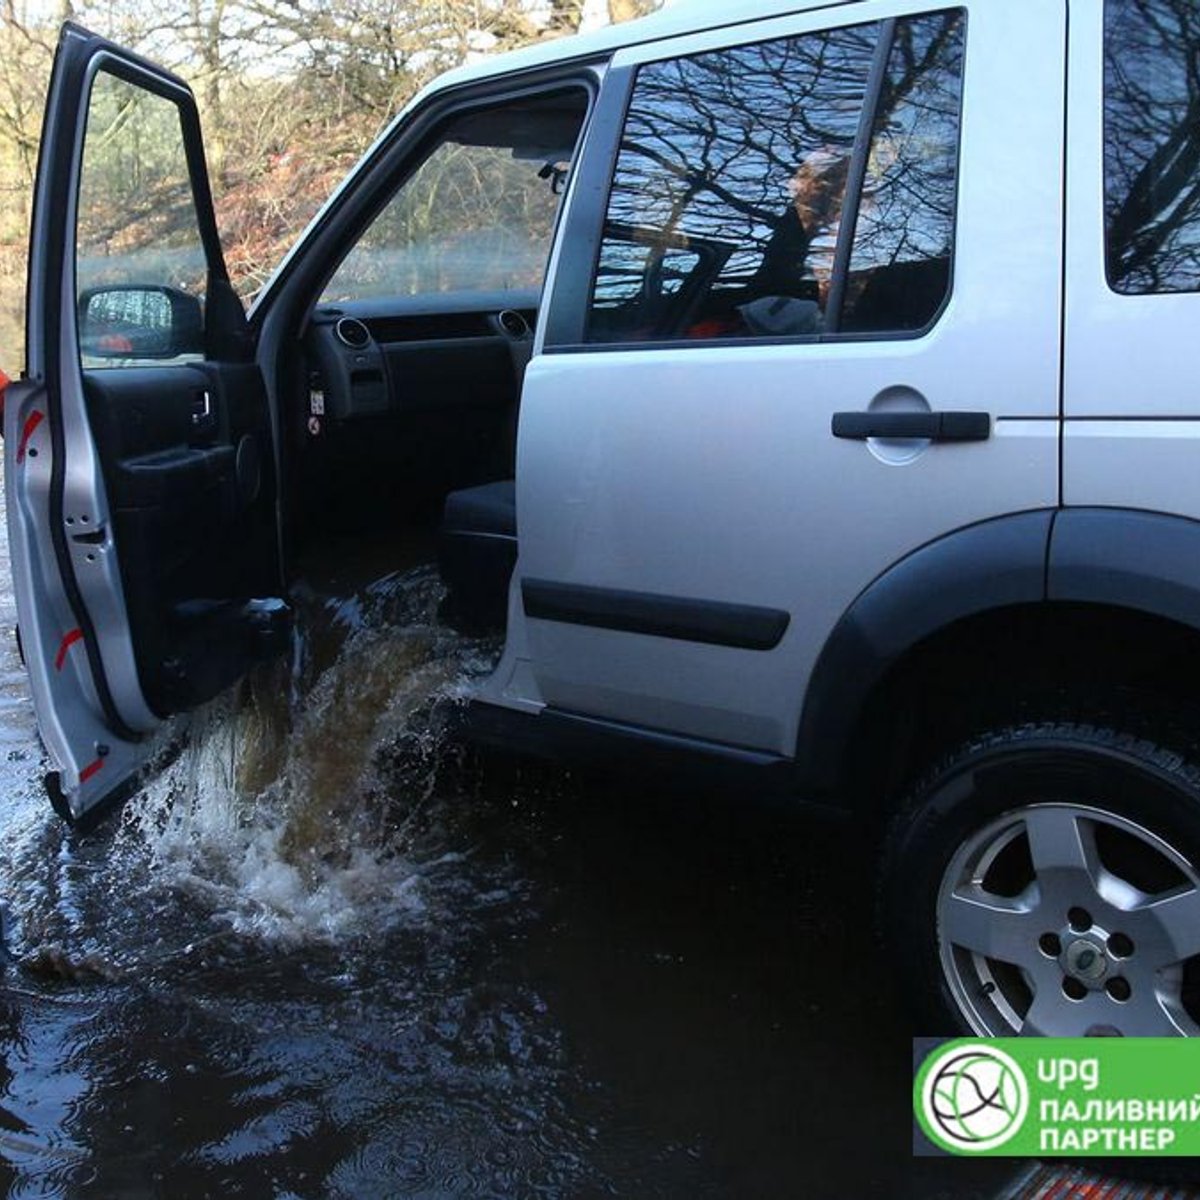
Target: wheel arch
1028,604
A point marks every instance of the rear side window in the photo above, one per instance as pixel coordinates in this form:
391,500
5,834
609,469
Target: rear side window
803,187
1152,145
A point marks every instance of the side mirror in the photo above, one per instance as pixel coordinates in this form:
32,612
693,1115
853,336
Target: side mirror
139,321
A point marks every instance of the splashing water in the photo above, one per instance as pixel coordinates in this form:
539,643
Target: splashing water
299,808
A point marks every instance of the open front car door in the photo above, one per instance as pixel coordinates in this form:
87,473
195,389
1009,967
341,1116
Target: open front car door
139,456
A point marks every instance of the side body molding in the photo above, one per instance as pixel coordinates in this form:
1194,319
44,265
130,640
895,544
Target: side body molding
986,566
1128,558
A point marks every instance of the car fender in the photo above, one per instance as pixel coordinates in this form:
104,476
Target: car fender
993,564
1145,562
1127,558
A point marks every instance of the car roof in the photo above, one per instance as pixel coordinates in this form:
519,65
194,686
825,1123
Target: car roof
680,17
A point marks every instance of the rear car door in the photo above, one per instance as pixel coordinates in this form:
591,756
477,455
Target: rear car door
139,460
810,239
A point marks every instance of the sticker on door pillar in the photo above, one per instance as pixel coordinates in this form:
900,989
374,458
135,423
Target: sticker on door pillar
68,640
90,770
32,421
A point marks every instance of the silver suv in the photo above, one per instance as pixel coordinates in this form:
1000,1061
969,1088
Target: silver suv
797,385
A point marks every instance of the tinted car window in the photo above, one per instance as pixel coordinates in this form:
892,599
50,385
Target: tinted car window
729,213
899,269
1152,145
743,154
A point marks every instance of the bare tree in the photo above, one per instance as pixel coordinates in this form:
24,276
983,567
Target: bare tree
27,49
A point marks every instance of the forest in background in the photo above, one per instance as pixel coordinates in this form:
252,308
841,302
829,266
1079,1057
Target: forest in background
291,92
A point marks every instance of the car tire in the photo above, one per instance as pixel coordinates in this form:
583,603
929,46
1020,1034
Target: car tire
1044,878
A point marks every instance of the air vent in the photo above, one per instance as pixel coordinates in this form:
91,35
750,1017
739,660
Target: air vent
353,333
513,324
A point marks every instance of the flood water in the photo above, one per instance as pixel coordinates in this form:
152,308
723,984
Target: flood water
326,954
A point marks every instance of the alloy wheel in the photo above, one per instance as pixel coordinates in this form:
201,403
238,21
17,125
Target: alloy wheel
1066,920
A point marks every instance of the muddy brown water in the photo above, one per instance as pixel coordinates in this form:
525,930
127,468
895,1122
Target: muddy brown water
324,954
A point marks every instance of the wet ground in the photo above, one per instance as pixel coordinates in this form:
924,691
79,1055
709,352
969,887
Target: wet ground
326,954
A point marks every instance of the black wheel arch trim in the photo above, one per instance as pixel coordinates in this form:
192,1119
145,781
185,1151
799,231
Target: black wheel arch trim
1127,558
1143,561
994,564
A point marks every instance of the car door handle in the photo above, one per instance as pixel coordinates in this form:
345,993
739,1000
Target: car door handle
935,426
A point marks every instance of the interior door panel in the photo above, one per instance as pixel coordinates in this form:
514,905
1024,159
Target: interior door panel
187,466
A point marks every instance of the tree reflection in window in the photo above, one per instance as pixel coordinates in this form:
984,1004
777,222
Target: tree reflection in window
741,159
1152,145
899,271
